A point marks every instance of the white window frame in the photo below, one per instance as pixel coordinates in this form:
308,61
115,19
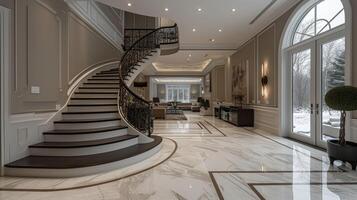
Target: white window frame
178,87
283,65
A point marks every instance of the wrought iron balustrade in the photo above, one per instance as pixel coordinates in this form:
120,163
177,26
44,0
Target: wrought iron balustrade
136,110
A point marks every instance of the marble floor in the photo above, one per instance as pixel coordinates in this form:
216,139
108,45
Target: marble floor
215,160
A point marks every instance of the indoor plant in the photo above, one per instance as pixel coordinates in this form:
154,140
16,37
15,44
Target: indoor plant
205,105
344,99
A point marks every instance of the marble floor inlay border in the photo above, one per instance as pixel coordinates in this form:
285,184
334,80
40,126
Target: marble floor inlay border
215,128
268,138
202,126
259,195
97,183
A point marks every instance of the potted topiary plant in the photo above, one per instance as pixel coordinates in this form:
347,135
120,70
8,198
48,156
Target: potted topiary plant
344,99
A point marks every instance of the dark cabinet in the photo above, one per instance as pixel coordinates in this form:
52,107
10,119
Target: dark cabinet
238,116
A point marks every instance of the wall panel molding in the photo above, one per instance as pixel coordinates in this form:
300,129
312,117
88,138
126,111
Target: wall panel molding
272,68
22,131
49,52
92,14
79,22
44,55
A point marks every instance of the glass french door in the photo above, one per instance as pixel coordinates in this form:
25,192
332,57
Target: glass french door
316,67
303,93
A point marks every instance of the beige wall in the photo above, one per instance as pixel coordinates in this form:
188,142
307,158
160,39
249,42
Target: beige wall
218,89
53,45
6,3
133,20
261,50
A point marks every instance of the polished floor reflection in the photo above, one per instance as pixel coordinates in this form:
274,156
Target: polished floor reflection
216,160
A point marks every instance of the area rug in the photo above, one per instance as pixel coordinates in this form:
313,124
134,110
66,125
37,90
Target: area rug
180,116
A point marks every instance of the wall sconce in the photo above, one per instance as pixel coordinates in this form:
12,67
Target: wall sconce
264,80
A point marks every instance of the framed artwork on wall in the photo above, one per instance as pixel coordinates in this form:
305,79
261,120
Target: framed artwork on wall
239,82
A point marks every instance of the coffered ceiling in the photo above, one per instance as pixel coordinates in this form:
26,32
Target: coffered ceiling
207,25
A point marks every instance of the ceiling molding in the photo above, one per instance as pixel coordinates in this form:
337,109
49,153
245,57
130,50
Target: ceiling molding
263,11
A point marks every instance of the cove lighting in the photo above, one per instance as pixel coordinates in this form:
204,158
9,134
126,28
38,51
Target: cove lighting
178,80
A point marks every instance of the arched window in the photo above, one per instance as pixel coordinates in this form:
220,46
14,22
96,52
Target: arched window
316,57
321,17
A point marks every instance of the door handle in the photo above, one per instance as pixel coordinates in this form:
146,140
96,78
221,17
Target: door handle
312,109
317,109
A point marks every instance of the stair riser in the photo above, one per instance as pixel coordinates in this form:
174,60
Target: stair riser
91,108
82,151
93,101
95,95
85,137
75,172
98,90
108,73
91,116
101,85
103,81
75,126
105,77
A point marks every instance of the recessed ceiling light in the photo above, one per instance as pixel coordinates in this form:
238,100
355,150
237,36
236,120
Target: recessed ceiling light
166,9
129,4
189,55
199,9
220,30
233,10
212,40
194,30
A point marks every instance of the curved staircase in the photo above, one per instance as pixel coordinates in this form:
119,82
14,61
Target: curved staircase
96,131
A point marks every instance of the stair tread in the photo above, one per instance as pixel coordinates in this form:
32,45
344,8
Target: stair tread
92,104
100,83
102,79
105,75
96,98
84,131
84,143
89,112
95,92
64,121
68,162
98,87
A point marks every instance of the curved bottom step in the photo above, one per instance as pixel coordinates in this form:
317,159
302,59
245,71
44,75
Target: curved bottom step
48,166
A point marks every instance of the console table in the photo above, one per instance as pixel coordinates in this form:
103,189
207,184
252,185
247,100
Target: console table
240,117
